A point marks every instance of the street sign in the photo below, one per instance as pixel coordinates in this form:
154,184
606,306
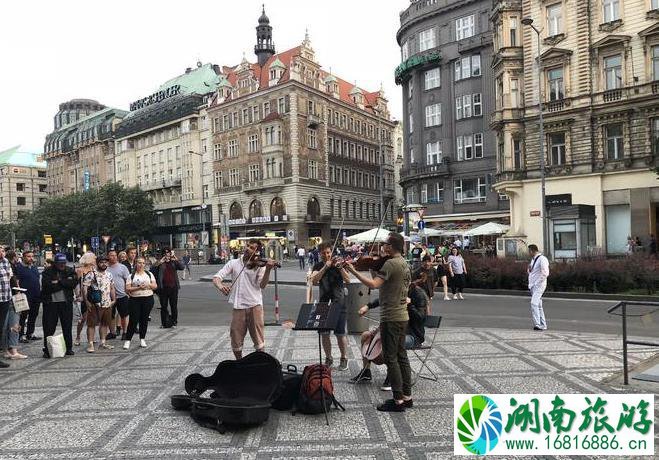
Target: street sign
106,239
534,213
47,239
421,224
421,212
86,180
96,242
290,234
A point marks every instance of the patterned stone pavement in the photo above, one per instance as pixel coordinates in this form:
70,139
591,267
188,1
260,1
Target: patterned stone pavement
115,404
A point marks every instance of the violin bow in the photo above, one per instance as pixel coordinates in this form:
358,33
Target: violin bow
336,240
384,214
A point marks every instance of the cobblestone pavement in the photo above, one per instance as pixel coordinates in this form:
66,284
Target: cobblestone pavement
115,404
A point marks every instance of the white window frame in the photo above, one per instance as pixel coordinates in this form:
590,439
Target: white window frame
478,145
433,153
217,178
427,39
405,50
481,186
459,151
468,146
412,159
610,10
618,150
558,148
458,108
554,14
217,152
254,172
466,106
312,138
253,143
410,123
514,92
465,27
616,70
433,115
476,65
312,172
432,78
556,86
424,193
478,106
232,148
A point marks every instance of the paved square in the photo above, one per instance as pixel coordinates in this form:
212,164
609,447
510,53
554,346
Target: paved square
115,404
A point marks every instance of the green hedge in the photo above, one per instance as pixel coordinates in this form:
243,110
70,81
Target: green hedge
601,275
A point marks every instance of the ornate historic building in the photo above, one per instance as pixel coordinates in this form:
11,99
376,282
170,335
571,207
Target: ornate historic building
80,151
446,78
162,146
23,183
598,76
296,150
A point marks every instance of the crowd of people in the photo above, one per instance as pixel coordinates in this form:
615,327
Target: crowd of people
110,295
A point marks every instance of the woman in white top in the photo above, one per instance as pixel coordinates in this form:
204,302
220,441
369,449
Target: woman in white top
140,288
458,271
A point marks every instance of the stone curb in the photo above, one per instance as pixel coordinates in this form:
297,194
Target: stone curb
547,295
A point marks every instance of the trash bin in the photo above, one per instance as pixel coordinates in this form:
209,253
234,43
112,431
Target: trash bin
356,297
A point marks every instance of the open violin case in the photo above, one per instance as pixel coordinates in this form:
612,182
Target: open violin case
242,392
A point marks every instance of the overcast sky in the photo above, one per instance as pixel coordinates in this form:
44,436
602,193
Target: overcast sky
115,52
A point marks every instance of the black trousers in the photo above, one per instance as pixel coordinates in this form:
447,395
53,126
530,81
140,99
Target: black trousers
4,311
51,313
458,283
168,297
31,317
140,308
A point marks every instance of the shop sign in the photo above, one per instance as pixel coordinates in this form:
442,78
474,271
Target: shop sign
534,213
156,97
558,200
259,220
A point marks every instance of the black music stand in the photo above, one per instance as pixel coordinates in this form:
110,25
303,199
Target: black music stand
321,317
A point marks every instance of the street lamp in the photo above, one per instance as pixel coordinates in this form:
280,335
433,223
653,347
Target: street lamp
543,208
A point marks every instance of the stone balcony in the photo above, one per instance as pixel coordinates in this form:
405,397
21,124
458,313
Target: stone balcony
256,186
416,172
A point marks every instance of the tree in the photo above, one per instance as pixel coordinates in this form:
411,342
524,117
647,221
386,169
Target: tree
110,210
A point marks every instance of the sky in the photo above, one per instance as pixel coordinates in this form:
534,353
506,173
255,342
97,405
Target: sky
52,51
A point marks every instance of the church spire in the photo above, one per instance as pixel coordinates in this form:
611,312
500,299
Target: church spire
264,48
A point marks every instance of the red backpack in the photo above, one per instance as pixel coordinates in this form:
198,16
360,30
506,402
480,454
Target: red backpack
317,390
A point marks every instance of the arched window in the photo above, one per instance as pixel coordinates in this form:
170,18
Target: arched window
277,207
255,209
313,208
235,211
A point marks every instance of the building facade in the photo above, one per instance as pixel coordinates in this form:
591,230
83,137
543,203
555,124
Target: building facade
162,146
80,151
23,183
296,150
446,78
597,81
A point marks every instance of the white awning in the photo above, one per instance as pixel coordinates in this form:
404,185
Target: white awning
490,228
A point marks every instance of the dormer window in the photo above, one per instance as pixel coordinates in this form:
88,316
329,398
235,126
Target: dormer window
273,74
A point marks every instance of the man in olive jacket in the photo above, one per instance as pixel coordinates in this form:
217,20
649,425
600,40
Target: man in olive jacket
57,284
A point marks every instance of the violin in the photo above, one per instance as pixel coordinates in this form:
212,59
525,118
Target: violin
260,262
365,263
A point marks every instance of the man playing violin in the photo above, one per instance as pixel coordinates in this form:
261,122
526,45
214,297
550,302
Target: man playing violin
250,275
330,280
393,281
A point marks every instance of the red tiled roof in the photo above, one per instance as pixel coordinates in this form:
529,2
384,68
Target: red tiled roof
262,75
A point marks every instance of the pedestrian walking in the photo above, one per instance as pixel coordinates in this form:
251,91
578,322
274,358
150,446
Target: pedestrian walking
28,277
168,287
11,326
5,294
87,264
57,284
186,259
140,286
538,272
466,243
442,273
300,256
458,272
99,295
120,275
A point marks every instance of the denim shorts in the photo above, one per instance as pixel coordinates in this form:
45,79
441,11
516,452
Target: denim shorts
340,328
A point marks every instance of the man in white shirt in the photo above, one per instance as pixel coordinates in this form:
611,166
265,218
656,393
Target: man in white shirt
538,272
458,243
466,243
300,256
249,279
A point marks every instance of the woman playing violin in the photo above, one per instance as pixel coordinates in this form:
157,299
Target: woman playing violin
250,275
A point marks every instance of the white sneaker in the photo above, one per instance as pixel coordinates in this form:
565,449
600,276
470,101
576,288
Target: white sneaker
127,345
460,296
447,297
142,343
455,297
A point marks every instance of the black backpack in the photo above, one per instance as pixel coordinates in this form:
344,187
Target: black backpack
290,392
94,294
317,390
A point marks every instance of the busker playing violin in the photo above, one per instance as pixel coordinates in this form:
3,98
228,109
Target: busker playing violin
417,307
330,280
250,275
393,281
